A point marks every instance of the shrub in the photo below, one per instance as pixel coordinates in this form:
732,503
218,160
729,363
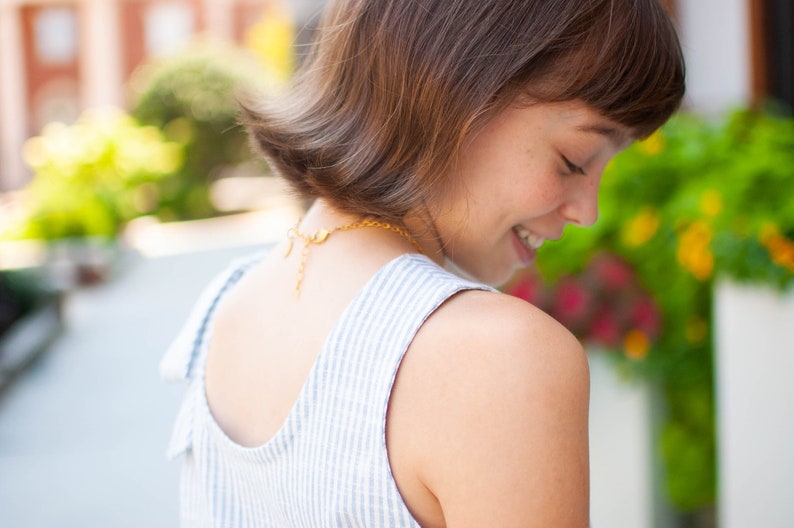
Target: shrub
191,96
93,176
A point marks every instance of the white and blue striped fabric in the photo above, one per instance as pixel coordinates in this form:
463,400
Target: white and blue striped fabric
327,466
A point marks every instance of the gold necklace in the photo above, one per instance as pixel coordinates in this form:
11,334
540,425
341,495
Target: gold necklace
322,235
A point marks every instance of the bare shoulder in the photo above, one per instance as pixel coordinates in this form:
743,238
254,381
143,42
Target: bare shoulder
500,392
512,339
516,316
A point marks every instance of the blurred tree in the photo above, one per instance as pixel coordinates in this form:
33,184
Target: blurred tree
191,96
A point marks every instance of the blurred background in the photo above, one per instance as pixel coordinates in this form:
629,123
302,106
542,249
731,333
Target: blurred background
125,184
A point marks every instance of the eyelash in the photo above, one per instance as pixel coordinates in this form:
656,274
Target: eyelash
573,168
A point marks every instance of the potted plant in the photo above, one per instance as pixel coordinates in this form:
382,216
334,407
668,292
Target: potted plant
191,97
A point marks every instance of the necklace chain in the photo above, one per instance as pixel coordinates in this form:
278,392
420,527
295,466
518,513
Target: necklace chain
321,235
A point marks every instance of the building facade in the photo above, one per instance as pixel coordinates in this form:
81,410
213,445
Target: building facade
59,57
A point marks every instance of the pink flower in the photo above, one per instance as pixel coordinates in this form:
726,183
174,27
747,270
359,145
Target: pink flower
646,317
527,287
605,329
615,272
572,301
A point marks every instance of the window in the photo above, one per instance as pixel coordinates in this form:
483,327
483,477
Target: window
55,35
167,26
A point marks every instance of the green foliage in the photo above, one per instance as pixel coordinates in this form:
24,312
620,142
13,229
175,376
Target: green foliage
191,96
92,177
696,200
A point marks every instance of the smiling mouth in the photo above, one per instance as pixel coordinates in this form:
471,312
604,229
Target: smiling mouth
530,240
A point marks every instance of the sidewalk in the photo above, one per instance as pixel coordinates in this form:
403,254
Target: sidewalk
84,431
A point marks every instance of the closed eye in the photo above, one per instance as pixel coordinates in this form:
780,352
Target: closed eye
572,167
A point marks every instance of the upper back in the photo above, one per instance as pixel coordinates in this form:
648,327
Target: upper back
327,455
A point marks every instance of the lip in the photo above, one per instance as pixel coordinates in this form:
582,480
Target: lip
525,255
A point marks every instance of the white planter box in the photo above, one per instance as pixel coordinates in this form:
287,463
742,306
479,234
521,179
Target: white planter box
754,369
621,449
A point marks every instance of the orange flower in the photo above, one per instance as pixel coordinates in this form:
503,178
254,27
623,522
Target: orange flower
641,228
636,344
780,248
693,250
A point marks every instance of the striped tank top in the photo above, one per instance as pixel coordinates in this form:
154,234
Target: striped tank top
327,465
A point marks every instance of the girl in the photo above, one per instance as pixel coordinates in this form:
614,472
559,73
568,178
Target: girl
364,372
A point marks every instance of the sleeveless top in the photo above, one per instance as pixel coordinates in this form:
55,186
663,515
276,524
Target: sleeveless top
327,465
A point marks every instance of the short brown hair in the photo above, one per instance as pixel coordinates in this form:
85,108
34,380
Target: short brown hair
377,114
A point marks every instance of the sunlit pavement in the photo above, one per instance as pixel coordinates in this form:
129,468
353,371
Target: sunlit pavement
84,431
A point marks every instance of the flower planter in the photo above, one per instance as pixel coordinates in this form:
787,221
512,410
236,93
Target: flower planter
754,365
621,448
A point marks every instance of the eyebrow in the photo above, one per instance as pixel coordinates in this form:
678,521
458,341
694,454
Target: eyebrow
615,135
605,130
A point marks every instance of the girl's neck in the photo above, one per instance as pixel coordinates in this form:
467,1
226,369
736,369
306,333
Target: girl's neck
323,215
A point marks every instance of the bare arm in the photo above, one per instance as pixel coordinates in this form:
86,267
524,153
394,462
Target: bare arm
502,416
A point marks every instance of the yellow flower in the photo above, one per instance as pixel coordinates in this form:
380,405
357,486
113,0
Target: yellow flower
636,344
711,203
641,228
653,144
693,250
271,39
696,329
780,248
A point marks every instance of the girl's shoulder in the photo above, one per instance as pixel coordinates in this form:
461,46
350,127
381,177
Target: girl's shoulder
503,327
504,393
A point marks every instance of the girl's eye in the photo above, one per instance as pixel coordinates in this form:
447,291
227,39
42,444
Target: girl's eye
573,168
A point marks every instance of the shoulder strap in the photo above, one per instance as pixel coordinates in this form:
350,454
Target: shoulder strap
180,358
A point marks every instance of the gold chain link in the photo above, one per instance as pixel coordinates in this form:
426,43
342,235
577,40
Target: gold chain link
321,235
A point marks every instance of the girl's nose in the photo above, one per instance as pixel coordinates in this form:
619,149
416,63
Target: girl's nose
581,208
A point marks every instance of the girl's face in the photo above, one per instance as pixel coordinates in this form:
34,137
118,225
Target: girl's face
529,171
